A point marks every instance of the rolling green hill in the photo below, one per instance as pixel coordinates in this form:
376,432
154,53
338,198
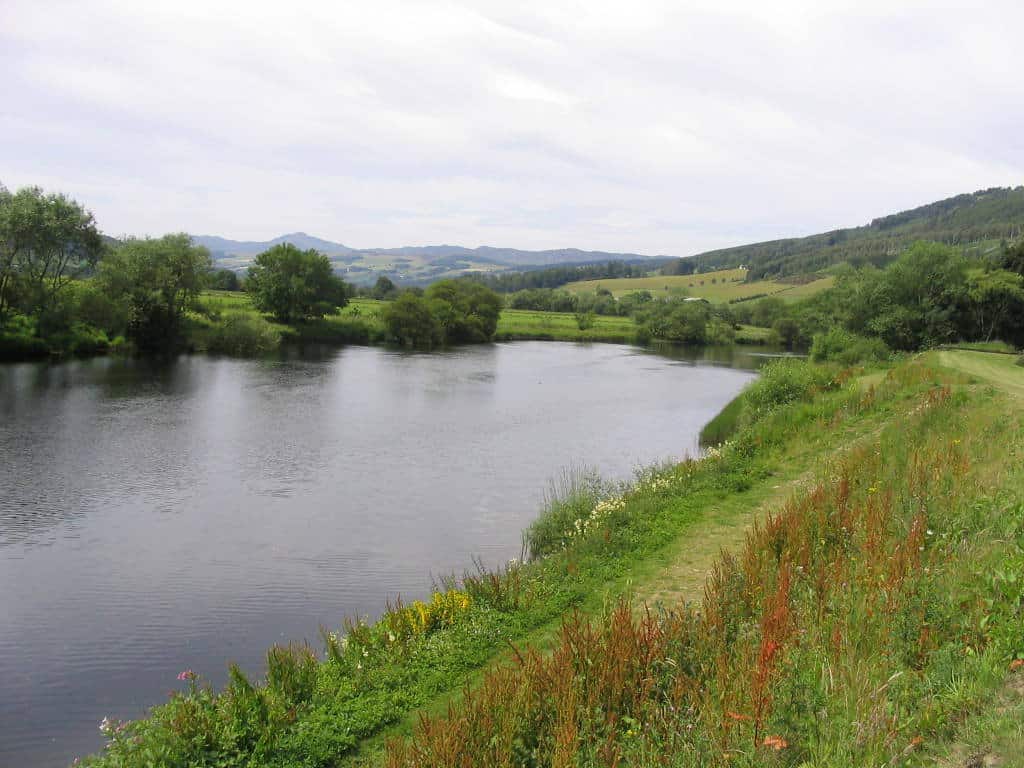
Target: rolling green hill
978,220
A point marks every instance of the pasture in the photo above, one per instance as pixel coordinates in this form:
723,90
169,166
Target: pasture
718,287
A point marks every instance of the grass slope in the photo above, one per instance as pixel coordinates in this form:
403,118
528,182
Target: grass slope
717,287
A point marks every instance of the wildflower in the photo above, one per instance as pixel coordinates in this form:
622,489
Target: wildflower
105,725
775,742
366,653
188,674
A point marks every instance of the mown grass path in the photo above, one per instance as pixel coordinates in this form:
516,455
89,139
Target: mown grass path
999,370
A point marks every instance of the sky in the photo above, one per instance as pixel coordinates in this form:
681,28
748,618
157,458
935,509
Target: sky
641,126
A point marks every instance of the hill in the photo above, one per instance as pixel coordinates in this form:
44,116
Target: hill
977,219
720,286
408,264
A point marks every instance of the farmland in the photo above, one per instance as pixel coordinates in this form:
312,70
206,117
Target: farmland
717,287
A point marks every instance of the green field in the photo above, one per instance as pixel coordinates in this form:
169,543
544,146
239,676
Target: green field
360,322
721,286
562,326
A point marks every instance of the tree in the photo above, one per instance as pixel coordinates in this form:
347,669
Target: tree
45,241
997,304
920,299
409,321
467,311
159,279
384,288
225,280
684,322
1013,257
295,285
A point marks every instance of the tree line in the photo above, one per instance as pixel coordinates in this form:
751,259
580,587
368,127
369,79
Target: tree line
554,277
65,288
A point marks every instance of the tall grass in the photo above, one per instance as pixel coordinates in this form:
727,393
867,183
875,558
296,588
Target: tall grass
724,425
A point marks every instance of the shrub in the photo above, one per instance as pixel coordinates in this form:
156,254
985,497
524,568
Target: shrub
786,381
243,334
1020,360
840,346
18,340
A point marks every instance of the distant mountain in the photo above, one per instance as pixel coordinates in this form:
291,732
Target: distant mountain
221,245
988,215
409,264
512,257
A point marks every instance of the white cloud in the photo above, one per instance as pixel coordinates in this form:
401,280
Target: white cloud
660,127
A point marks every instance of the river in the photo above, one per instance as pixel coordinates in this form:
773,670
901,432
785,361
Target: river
158,517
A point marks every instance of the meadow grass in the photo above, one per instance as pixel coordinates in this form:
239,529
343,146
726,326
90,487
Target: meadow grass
524,324
718,287
724,425
319,709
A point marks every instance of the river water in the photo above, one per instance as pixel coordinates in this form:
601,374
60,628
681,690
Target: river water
158,517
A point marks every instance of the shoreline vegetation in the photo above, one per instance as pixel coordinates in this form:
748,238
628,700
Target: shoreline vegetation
825,637
67,290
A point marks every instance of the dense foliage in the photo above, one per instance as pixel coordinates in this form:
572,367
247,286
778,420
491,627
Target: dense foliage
156,280
448,312
295,285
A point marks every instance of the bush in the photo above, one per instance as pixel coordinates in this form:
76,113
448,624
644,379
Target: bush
18,340
1020,360
786,381
840,346
242,334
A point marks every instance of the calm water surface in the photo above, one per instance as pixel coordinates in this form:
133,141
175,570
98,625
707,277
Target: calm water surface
155,518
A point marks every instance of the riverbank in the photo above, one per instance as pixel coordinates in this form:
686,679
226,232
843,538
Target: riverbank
597,544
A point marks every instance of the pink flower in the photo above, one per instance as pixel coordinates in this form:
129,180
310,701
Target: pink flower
188,674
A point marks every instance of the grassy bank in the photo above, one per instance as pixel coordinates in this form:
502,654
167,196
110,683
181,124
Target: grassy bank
594,543
523,324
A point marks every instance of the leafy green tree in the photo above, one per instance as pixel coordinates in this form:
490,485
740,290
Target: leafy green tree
1013,257
409,321
225,280
158,279
466,310
788,332
384,288
46,240
997,304
295,285
919,300
684,322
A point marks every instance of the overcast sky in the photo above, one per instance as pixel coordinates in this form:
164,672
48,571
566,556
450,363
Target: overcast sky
655,127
